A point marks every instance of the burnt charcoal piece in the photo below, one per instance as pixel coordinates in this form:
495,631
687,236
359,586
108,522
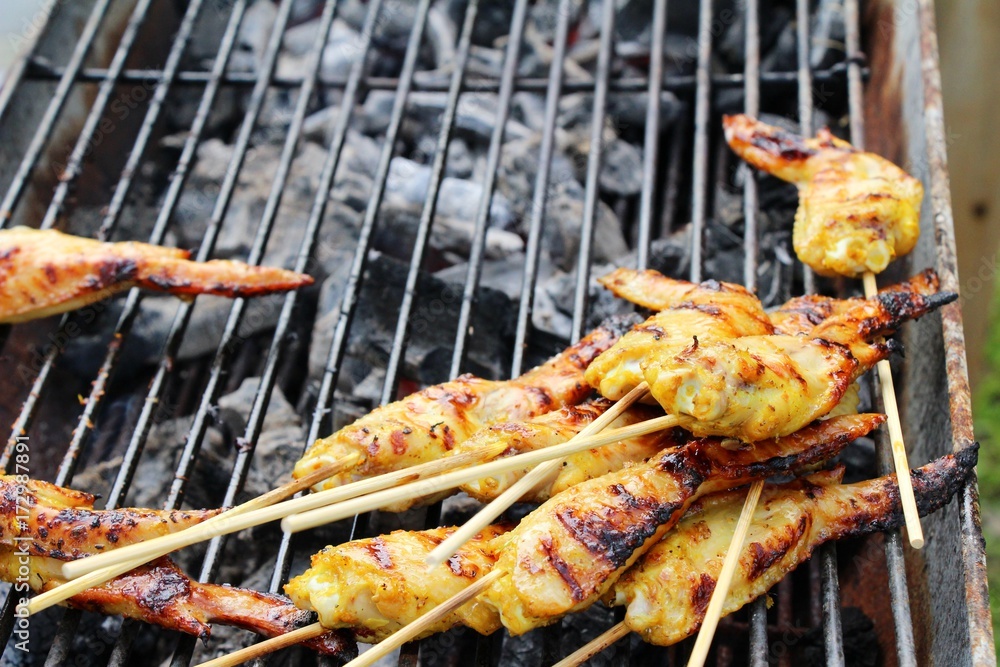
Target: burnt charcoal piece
433,323
860,641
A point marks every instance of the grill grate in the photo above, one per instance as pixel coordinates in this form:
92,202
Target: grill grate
661,201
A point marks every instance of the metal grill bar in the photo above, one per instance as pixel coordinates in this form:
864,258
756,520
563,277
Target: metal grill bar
898,590
594,156
677,83
751,106
511,58
430,207
651,141
699,205
541,193
48,122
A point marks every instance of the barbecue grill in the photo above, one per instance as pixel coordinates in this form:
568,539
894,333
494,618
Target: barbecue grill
103,124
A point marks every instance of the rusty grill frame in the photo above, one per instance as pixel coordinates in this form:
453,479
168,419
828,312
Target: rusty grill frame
969,637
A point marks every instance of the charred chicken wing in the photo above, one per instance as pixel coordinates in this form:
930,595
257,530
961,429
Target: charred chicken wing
759,387
857,211
710,309
43,273
43,525
430,423
375,586
570,551
668,589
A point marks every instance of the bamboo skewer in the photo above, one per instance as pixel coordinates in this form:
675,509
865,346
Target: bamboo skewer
417,627
714,612
594,646
914,530
109,571
268,646
133,553
428,487
498,505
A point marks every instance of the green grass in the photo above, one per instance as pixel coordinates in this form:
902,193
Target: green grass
986,408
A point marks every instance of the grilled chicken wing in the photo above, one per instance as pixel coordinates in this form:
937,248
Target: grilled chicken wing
431,423
43,273
557,427
710,309
375,586
857,211
798,315
42,525
570,551
667,591
759,387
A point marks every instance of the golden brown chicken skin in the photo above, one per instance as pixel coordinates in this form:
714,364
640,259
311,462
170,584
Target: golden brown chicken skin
798,315
376,586
668,589
47,272
62,523
570,551
43,525
759,387
710,309
857,211
429,424
557,427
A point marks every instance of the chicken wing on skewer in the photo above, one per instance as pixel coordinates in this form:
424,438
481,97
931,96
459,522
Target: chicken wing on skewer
668,589
376,586
429,424
161,594
759,387
857,211
798,315
557,427
42,525
44,273
570,551
711,309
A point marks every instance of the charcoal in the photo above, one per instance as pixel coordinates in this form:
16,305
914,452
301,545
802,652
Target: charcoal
564,205
475,115
343,49
554,301
461,163
144,345
732,44
432,324
861,648
503,275
247,207
454,222
827,34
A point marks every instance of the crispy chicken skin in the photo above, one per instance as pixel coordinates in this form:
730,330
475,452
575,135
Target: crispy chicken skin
62,523
557,427
668,589
570,551
759,387
429,424
857,211
798,315
42,524
710,309
375,586
47,272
